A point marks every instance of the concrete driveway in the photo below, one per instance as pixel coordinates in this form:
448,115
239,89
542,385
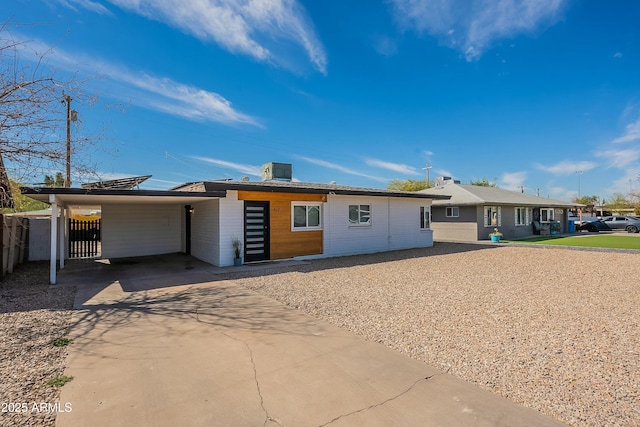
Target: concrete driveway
166,341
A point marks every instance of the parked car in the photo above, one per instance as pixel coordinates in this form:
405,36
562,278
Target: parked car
593,226
585,219
629,223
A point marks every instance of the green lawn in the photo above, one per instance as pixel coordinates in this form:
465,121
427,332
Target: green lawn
591,241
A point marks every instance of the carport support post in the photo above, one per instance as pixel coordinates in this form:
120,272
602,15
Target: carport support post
54,238
61,236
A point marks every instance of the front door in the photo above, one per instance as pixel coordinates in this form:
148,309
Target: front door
256,231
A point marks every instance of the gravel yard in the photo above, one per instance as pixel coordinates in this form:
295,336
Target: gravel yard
32,315
557,330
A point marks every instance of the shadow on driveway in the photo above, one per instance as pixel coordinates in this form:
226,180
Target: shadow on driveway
136,274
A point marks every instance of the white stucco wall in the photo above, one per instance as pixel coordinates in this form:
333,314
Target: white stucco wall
141,229
395,224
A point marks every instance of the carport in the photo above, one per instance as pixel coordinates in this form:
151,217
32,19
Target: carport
136,222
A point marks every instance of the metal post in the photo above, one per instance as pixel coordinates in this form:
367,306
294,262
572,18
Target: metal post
54,239
579,173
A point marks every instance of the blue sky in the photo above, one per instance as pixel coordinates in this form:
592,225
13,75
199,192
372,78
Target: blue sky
523,92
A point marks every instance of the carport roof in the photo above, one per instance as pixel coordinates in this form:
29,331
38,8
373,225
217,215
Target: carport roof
97,196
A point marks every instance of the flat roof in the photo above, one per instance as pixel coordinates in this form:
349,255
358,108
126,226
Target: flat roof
275,186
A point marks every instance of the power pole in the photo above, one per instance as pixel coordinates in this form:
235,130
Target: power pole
427,167
72,116
67,181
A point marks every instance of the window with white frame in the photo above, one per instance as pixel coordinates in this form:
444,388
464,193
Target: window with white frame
306,216
452,212
522,216
547,215
425,217
359,215
492,216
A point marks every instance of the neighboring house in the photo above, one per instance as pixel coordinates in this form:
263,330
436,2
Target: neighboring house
274,219
472,212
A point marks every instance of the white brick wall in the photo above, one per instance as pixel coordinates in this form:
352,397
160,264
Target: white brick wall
231,226
204,231
140,229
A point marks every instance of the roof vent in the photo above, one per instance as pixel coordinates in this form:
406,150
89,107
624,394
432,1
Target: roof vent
245,179
278,171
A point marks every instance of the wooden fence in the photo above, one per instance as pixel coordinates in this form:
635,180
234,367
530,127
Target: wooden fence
13,240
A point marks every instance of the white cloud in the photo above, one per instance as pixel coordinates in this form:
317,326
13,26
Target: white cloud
630,181
168,96
567,167
472,26
85,4
443,172
395,167
620,158
427,153
238,167
340,168
632,133
247,27
145,90
513,180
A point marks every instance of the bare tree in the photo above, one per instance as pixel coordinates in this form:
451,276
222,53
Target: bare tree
32,114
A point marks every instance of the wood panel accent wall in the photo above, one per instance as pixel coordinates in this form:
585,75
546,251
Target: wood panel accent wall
284,242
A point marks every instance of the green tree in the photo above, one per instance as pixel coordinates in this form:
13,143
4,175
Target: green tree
619,201
586,200
408,185
635,200
483,182
51,182
22,203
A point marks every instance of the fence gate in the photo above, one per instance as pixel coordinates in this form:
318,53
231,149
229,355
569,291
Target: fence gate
84,238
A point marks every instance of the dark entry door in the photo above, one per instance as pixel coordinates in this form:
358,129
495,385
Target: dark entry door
256,231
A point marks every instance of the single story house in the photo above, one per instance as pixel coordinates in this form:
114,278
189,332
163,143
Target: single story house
473,212
273,219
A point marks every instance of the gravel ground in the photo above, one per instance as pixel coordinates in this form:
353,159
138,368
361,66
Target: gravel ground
32,315
556,330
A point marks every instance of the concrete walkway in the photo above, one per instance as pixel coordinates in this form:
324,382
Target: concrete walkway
170,342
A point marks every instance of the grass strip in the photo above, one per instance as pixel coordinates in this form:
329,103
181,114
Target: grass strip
601,241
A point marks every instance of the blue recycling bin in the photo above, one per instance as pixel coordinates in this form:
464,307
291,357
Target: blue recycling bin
572,226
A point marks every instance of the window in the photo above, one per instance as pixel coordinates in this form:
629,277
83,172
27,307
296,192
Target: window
359,214
492,216
425,217
522,216
546,215
306,216
452,212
